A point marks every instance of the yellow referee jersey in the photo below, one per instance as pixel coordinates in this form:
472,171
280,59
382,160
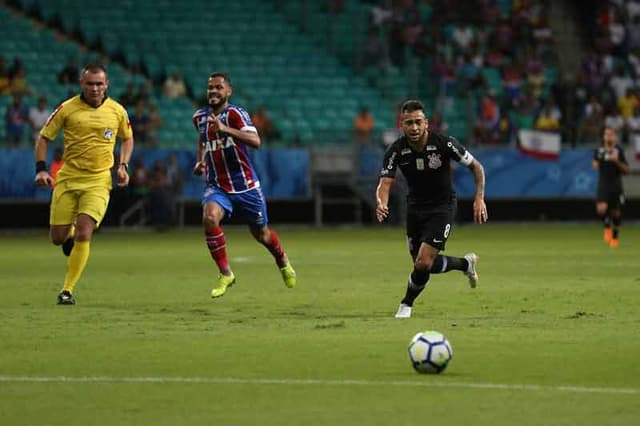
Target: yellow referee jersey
89,133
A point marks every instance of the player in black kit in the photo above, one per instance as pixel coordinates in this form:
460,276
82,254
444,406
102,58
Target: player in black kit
424,159
609,159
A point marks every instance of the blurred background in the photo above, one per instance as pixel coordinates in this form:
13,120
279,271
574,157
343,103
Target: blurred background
526,85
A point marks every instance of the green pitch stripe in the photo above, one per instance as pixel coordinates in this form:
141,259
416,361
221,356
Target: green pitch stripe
419,382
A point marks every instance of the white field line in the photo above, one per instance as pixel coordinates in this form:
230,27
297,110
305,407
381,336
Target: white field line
318,382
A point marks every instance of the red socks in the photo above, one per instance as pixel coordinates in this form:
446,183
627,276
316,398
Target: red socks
275,249
217,244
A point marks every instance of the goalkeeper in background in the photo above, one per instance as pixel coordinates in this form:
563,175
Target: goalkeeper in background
91,122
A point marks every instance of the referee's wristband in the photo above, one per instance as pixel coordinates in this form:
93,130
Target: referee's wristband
41,166
125,165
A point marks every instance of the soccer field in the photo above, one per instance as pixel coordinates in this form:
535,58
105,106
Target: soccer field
551,336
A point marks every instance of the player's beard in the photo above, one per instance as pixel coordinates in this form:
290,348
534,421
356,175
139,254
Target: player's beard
221,101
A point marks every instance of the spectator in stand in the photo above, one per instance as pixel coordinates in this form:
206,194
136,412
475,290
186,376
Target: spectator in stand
627,104
145,92
633,9
139,180
19,84
617,36
633,31
363,125
632,126
526,108
16,118
620,82
470,75
264,125
15,67
488,119
614,120
159,208
174,86
502,38
445,74
175,175
57,163
38,116
437,124
547,121
155,122
462,37
70,74
512,80
379,15
5,80
175,183
536,80
372,54
128,98
592,123
506,128
140,123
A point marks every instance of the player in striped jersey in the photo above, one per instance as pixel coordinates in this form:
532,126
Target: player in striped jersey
225,133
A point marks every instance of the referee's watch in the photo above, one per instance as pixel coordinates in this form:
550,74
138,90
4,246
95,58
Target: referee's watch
125,165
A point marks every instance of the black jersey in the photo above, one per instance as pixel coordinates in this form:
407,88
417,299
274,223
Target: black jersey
610,176
428,172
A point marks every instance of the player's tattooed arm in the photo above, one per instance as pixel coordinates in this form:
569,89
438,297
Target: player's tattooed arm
480,214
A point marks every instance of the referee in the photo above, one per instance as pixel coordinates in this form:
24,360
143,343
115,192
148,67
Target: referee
91,122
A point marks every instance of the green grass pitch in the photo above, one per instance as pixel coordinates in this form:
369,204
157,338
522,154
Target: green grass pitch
551,336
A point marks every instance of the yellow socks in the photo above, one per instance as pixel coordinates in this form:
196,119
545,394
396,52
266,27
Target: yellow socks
76,263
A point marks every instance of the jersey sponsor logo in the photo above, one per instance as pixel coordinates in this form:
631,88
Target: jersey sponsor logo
432,148
434,161
108,134
405,151
216,144
420,163
435,240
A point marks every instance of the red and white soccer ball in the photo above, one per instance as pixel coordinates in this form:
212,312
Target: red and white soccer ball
430,352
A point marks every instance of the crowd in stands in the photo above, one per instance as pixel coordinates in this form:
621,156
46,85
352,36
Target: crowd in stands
606,88
462,39
158,187
496,56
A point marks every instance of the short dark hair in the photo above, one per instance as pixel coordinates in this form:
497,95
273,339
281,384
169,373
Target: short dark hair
411,105
93,68
224,76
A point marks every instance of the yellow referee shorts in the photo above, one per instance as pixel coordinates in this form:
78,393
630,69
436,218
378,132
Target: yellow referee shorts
74,195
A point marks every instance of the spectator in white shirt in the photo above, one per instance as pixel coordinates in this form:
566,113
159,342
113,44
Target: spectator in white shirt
38,116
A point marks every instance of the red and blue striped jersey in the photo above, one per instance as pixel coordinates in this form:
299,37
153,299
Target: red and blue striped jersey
228,164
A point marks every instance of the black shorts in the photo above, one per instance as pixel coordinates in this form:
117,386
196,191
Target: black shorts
614,199
429,225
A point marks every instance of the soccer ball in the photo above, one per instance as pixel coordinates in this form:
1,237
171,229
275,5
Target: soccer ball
430,352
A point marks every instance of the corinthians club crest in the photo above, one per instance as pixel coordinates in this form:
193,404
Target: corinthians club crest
434,161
